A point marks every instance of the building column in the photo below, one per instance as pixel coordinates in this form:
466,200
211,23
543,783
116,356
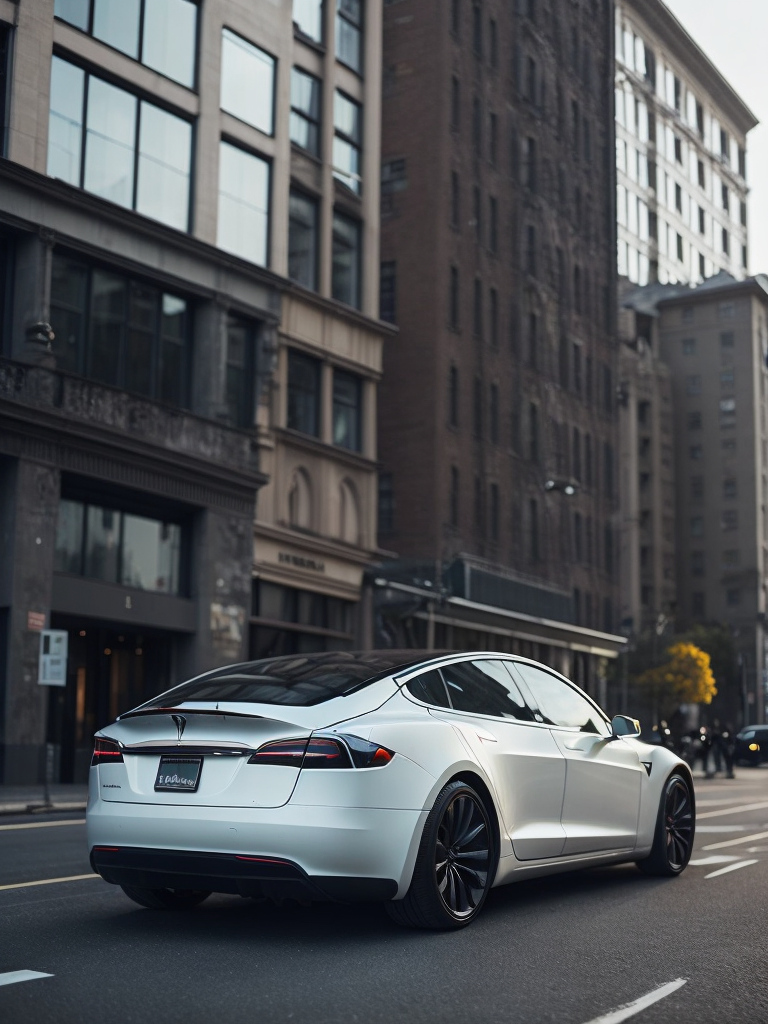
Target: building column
26,561
31,333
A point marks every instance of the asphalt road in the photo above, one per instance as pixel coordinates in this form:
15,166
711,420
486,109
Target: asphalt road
569,949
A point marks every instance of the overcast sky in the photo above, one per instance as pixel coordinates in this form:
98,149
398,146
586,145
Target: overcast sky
733,34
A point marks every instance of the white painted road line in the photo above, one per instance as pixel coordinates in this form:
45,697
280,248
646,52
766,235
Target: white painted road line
736,842
733,809
13,976
630,1009
49,881
731,867
720,828
42,824
716,858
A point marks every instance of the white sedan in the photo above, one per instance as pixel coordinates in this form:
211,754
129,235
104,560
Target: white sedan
417,779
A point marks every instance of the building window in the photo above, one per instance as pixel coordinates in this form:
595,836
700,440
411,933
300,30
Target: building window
118,547
477,316
159,33
530,249
386,504
347,140
693,384
493,140
697,487
578,537
729,488
694,420
478,504
733,597
533,340
731,558
697,563
680,255
494,413
477,210
576,454
697,526
239,373
305,111
533,432
728,380
455,16
493,227
453,396
453,300
477,127
696,451
247,82
697,604
477,407
455,103
477,30
349,21
494,510
303,412
730,519
455,200
120,331
493,317
308,18
725,311
302,239
533,516
244,184
388,291
347,410
689,346
726,242
345,276
128,151
453,501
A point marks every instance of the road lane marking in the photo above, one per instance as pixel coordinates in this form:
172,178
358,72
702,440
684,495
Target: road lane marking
720,828
43,824
630,1009
735,809
49,881
721,858
736,842
11,977
731,867
757,849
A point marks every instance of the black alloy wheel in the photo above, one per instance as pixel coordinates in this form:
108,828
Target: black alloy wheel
455,863
673,840
165,899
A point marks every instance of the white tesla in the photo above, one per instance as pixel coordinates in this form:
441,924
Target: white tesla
417,779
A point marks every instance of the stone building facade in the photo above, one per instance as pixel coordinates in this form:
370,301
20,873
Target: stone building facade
188,316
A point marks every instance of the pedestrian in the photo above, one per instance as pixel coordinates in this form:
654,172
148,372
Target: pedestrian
728,749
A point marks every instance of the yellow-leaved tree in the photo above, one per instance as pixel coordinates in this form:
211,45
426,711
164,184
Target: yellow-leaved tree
686,678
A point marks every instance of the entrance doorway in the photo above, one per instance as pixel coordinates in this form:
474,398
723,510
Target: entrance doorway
109,671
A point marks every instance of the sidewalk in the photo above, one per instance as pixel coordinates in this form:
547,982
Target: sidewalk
26,799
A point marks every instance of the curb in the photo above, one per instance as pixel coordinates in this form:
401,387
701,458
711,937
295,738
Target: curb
38,808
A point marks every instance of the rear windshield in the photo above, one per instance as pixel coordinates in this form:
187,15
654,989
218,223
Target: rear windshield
296,680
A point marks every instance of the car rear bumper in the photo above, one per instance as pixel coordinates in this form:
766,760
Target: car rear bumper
333,852
231,873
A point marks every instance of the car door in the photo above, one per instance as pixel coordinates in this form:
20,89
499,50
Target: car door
604,775
521,757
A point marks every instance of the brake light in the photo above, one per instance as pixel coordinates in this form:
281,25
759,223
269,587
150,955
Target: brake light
323,752
106,752
366,754
326,753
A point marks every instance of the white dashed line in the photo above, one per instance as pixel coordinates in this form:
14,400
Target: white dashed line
731,867
49,881
736,842
701,829
43,824
13,976
738,809
630,1009
721,858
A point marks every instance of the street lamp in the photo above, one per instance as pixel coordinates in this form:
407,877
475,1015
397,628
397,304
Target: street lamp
565,486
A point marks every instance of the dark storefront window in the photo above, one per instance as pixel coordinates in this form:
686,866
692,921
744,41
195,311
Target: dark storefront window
302,240
347,410
109,142
160,33
303,393
291,621
119,331
118,547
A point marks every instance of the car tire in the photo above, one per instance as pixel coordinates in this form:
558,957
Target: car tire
455,864
165,899
675,826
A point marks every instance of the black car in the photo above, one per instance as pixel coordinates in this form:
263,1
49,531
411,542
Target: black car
752,745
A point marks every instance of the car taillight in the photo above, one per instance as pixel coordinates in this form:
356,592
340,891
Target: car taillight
323,752
282,752
106,752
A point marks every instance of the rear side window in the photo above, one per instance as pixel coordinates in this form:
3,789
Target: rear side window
429,688
559,703
485,688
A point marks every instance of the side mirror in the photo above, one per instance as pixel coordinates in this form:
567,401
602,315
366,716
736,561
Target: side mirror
621,725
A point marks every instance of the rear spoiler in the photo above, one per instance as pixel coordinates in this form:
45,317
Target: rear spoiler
139,712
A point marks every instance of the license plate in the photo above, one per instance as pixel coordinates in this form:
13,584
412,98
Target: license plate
179,774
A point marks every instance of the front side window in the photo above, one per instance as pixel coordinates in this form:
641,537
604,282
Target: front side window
160,33
247,82
243,204
302,239
345,277
347,140
560,704
349,22
485,688
347,410
118,547
305,111
303,393
119,331
128,151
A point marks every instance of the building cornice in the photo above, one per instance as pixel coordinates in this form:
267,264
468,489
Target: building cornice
659,19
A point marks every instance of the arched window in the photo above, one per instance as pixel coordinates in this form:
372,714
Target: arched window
349,513
300,500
